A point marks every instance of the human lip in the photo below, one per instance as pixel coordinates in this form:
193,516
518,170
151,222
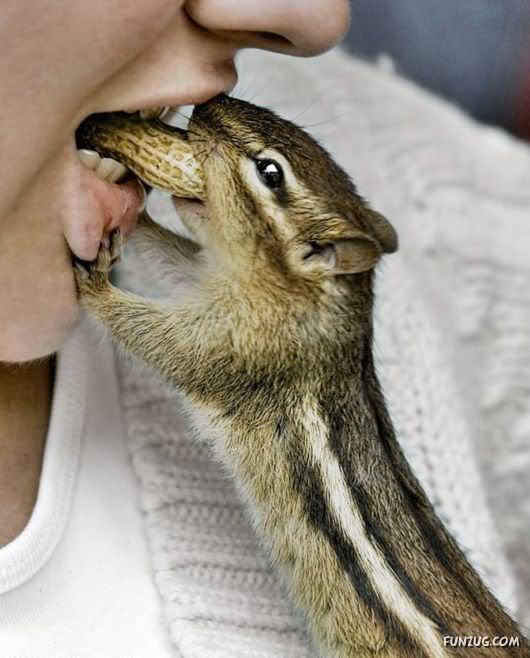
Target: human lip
105,197
205,87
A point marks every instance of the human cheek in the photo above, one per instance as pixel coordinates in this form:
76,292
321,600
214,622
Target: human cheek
38,294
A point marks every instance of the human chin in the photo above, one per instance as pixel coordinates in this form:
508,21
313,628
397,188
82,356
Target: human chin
43,309
38,294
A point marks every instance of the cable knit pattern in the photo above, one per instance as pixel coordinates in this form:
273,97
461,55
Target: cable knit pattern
452,345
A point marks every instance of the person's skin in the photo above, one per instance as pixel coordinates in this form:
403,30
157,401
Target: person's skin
61,61
25,397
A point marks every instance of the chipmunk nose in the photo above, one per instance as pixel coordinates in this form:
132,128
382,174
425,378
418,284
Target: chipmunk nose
220,99
203,110
297,27
209,115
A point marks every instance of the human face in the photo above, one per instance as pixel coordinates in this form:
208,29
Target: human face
61,61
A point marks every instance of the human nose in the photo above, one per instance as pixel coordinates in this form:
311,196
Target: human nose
296,27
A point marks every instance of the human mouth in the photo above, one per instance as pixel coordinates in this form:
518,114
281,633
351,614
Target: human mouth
92,206
118,148
107,195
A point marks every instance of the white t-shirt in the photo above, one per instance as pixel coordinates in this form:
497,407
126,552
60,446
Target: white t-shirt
77,581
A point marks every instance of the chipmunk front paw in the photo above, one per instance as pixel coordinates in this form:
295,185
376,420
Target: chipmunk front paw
93,276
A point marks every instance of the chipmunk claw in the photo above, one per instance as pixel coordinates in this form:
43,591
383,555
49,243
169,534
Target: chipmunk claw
94,274
109,251
116,243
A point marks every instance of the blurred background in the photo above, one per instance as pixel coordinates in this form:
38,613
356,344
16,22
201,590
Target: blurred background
474,52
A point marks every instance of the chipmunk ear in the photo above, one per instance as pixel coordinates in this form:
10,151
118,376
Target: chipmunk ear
350,250
357,253
382,231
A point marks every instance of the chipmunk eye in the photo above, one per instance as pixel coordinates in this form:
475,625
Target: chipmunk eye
270,173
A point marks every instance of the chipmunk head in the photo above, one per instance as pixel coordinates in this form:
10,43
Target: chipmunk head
276,197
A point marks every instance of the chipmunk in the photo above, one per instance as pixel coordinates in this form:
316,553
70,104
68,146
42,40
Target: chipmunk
270,343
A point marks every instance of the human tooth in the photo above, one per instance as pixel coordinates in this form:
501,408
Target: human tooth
89,158
109,170
153,112
105,168
178,116
118,172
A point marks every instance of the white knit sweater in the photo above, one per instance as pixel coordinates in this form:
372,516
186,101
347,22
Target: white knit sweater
452,344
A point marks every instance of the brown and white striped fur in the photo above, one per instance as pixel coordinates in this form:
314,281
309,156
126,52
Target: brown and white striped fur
270,341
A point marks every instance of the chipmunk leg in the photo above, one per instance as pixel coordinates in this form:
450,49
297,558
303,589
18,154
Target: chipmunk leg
144,327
